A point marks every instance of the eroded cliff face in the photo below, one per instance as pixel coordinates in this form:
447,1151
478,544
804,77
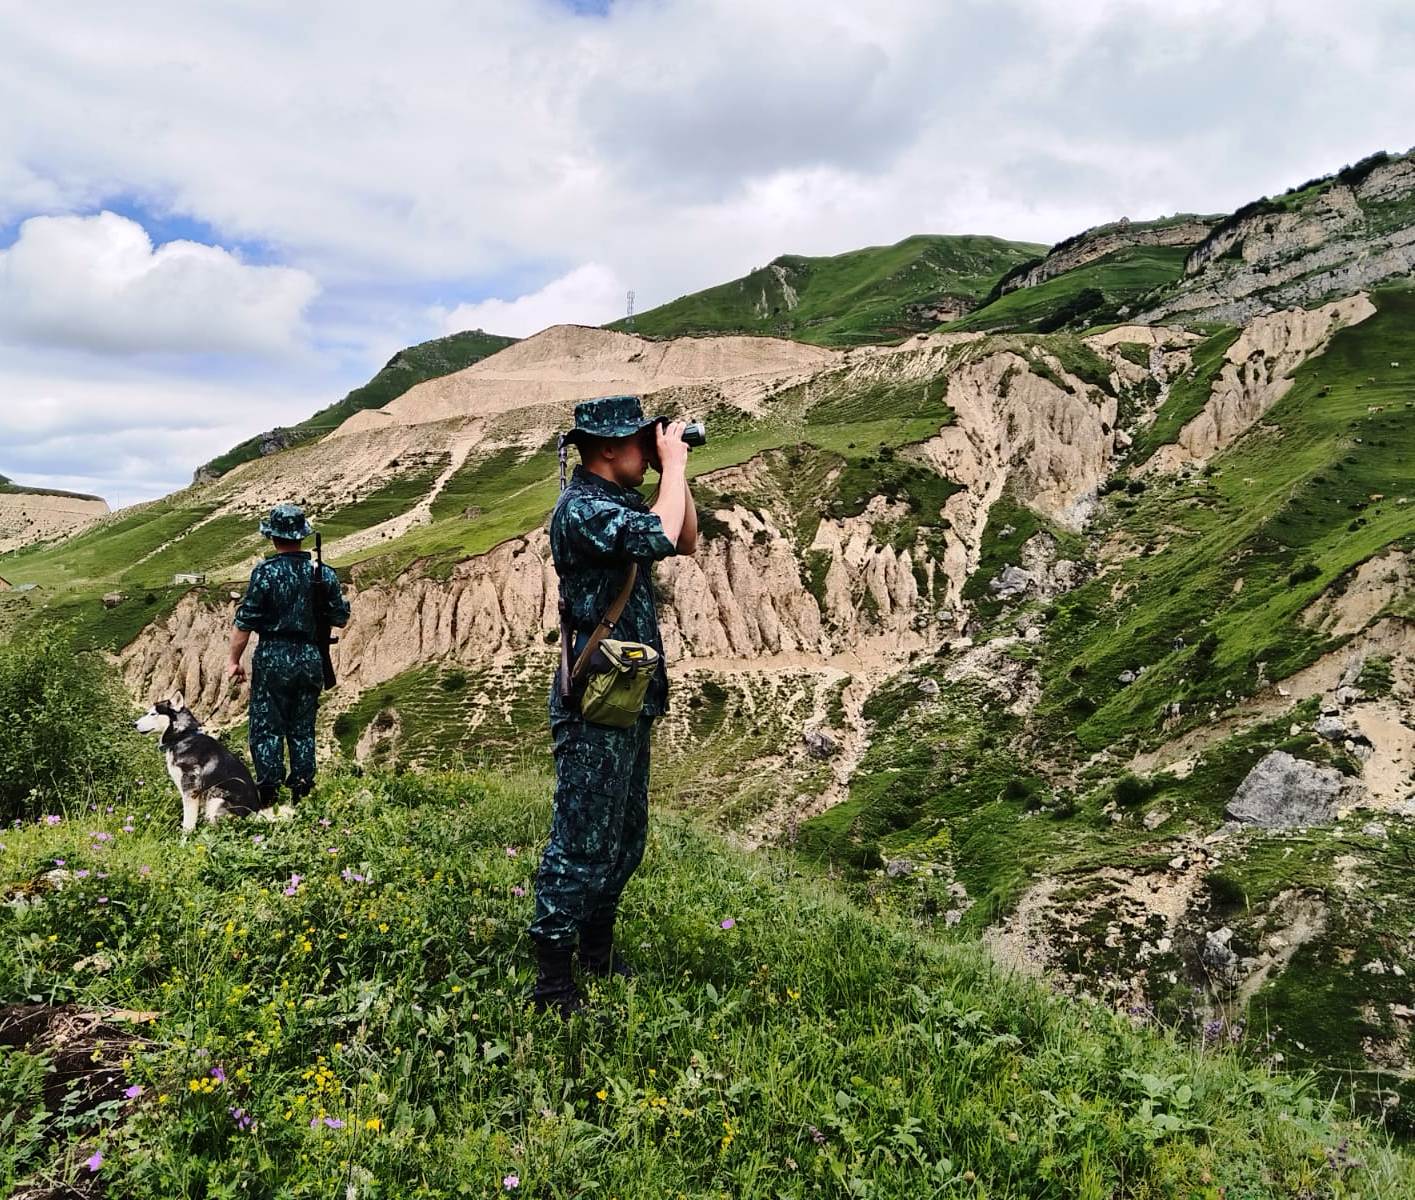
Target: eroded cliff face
1256,374
748,593
1344,239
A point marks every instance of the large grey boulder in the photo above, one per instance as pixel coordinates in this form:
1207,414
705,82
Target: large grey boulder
1010,583
1283,792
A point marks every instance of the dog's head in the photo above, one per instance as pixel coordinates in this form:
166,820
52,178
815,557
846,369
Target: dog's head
167,714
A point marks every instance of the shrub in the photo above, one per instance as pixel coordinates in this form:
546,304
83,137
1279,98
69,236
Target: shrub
454,680
64,723
1304,573
1131,790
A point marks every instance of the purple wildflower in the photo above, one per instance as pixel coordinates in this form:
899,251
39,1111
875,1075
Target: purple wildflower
294,885
144,870
728,923
218,1074
334,1122
132,1093
52,818
258,838
511,852
101,835
103,899
241,1117
94,1161
59,862
81,873
1213,1030
511,1182
518,891
326,822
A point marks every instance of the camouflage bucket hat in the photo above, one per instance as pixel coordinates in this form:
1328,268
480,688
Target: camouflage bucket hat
287,522
609,417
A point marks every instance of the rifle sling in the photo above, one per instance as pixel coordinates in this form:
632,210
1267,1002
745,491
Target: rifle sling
606,623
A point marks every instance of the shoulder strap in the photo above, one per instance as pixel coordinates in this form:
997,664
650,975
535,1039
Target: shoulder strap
606,622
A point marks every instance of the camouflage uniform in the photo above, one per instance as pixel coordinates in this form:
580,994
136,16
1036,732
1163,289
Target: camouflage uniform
601,774
286,675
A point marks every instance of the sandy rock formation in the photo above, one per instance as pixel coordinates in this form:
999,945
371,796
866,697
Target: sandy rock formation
1053,445
1256,374
567,363
27,517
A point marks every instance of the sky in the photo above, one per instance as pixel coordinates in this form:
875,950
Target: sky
218,218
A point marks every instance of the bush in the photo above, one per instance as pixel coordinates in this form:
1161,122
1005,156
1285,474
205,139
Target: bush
1131,790
64,724
1304,573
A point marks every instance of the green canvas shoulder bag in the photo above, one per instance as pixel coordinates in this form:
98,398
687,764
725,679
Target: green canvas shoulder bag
618,673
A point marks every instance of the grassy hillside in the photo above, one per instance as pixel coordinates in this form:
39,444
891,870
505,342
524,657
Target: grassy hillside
426,360
335,1005
881,293
1088,295
1208,607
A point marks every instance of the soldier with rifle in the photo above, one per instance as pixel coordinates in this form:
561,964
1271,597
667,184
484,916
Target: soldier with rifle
291,602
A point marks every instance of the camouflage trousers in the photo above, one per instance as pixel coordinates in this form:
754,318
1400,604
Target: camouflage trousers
599,826
286,679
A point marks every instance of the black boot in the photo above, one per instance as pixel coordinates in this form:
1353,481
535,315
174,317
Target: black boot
597,955
299,789
555,981
269,794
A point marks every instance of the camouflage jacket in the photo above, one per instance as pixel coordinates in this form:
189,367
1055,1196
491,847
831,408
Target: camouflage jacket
277,599
596,530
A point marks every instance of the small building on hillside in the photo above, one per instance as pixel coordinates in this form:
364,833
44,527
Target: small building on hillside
189,577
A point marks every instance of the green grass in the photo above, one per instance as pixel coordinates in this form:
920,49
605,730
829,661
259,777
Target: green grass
406,369
390,499
810,1049
107,551
868,295
1121,277
1301,493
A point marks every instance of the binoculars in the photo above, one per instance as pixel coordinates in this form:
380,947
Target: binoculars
694,432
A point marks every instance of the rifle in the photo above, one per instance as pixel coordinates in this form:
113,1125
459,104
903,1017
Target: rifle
323,638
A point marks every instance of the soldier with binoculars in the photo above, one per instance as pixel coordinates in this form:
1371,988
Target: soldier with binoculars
604,539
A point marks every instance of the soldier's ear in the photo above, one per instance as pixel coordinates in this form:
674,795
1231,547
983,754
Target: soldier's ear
177,702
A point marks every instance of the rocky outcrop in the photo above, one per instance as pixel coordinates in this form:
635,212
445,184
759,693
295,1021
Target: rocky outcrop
1345,238
1107,239
1256,374
1282,792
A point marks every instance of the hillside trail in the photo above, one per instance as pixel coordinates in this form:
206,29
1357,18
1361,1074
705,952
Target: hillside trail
459,448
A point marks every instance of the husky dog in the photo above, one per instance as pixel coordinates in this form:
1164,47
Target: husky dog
212,780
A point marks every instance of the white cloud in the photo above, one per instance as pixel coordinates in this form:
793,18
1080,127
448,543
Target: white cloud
589,295
128,433
436,149
98,283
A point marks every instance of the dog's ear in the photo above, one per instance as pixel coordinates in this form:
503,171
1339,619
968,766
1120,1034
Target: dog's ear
177,703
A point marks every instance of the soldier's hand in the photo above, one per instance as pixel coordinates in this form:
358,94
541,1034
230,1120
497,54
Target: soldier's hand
236,672
672,449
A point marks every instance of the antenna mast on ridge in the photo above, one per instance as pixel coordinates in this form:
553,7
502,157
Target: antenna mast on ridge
629,315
